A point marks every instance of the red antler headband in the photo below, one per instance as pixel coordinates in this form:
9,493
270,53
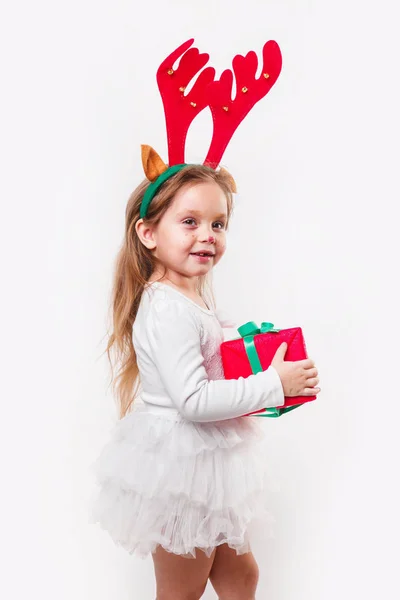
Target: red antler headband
227,114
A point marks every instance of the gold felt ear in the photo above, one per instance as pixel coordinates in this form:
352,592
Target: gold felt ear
153,164
231,180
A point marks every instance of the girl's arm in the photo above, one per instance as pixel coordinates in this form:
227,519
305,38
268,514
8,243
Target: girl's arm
174,338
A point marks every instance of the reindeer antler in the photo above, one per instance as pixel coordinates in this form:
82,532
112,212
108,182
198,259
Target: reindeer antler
180,110
227,113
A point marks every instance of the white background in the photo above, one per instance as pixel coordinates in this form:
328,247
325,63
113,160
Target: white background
313,242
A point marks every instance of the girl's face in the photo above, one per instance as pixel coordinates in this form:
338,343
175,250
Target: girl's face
195,222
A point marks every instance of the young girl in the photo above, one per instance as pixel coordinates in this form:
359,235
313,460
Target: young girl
183,475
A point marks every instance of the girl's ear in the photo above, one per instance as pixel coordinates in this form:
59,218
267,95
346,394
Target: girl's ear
153,164
145,234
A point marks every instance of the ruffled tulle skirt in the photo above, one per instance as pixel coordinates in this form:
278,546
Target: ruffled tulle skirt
163,480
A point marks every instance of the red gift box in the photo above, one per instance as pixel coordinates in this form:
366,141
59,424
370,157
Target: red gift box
254,352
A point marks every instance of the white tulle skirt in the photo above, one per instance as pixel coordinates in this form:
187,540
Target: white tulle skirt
163,480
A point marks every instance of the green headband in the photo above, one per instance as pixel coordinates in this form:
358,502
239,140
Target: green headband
155,186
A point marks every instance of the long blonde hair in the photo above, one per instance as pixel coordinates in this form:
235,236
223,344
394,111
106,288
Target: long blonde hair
133,267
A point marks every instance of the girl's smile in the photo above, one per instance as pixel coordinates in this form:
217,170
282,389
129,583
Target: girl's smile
202,258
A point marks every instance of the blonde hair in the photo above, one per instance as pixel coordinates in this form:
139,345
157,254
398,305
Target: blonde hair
133,267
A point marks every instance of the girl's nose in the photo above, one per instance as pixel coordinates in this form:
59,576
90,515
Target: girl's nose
206,236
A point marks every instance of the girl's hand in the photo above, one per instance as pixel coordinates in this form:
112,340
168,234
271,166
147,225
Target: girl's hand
299,377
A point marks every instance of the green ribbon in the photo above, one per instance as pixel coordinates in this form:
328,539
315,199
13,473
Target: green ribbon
247,332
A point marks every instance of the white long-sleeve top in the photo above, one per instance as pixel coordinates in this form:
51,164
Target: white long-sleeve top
177,344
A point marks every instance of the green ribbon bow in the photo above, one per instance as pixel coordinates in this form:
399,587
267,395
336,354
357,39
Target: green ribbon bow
247,332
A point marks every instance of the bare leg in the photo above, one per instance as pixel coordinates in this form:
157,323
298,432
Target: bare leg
233,576
180,578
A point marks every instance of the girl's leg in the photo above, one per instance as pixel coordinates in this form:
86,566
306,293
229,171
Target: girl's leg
233,576
180,578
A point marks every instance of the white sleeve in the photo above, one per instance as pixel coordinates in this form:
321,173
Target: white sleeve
174,338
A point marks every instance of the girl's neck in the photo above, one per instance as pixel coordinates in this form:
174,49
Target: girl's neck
190,291
184,284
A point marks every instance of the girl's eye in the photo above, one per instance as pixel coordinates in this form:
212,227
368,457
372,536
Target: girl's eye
190,220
